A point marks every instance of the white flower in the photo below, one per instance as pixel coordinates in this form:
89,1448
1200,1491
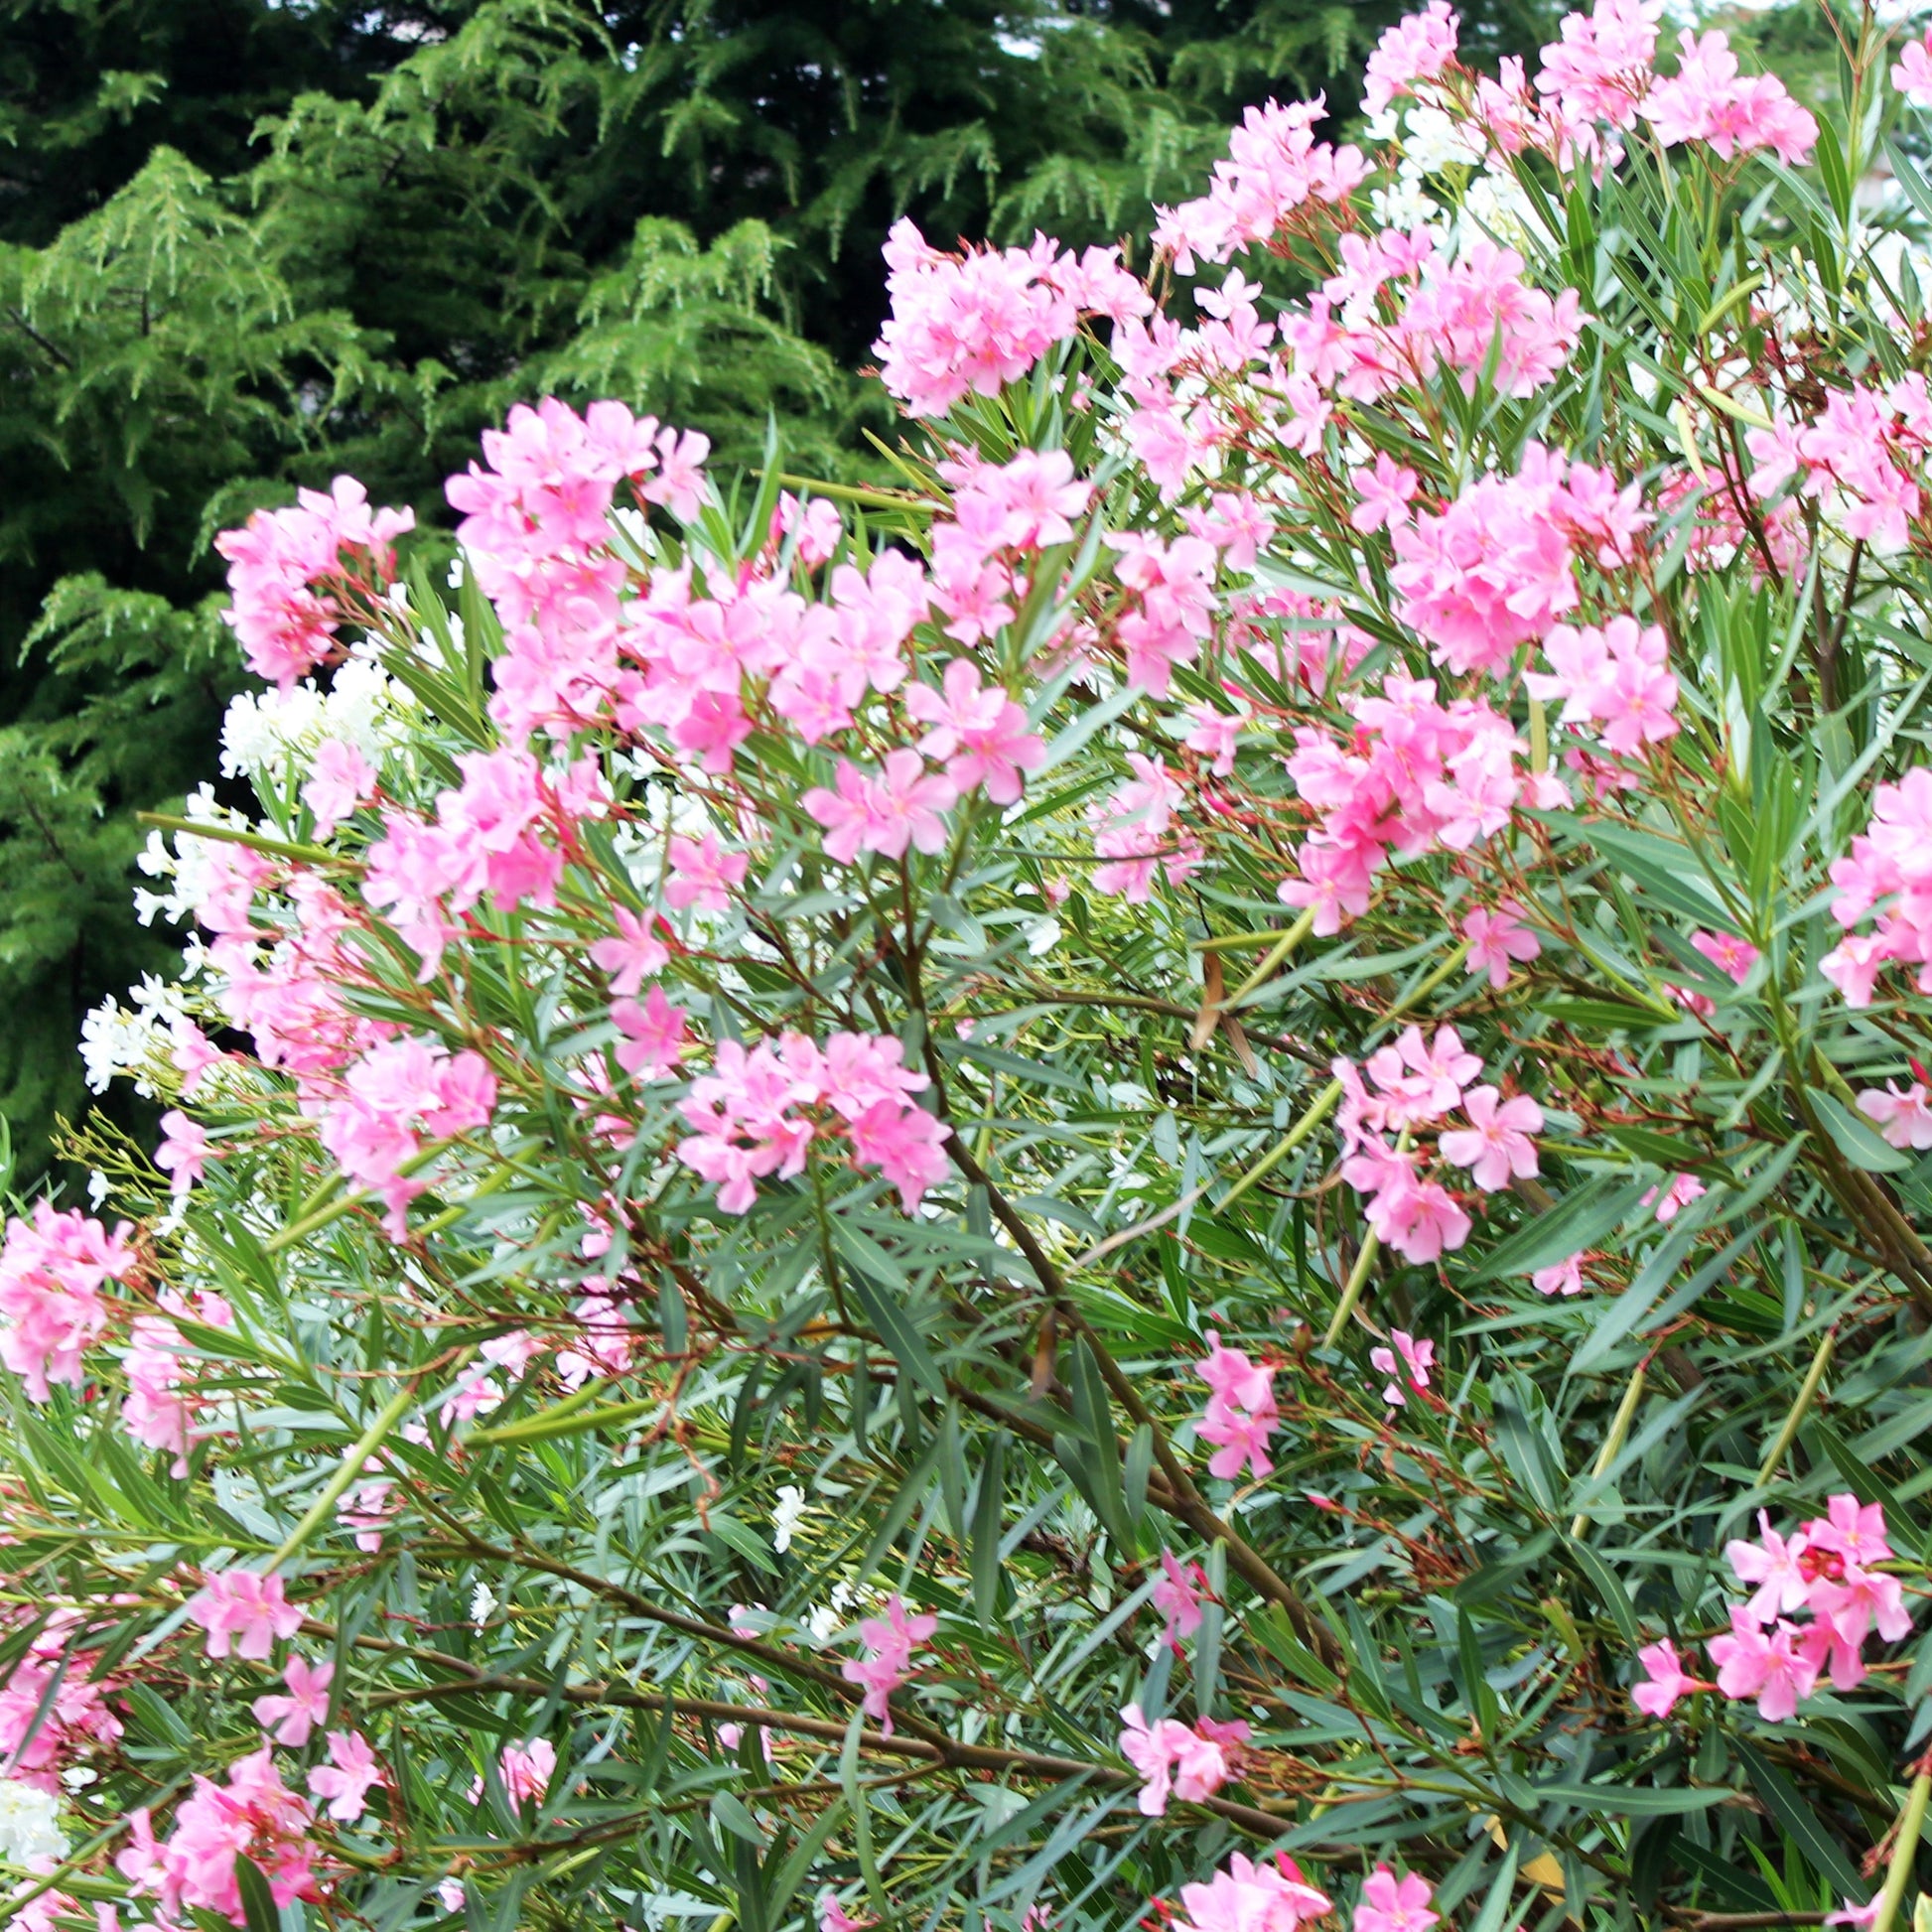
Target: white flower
30,1825
1043,935
824,1624
482,1605
98,1187
787,1516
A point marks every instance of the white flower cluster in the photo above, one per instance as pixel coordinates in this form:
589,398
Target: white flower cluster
135,1041
30,1826
187,863
265,732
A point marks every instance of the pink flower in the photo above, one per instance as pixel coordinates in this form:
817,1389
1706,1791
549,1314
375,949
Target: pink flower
1389,1904
185,1150
833,1917
1775,1564
1765,1665
1411,1373
904,806
1241,1411
1420,1220
1904,1119
1175,1760
979,734
245,1610
1495,940
337,782
1560,1278
1134,831
289,571
1707,100
703,874
345,1779
255,1815
654,1035
1727,952
1417,48
1681,1192
526,1771
890,1642
1852,1530
290,1718
632,955
1252,1897
1851,1913
1664,1679
1497,1143
1177,1594
1617,677
1492,571
1383,494
52,1271
905,1143
1911,73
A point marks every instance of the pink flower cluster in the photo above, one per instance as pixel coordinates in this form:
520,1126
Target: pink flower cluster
1419,1083
245,1611
296,573
1241,1411
1418,775
758,1113
1176,1760
1495,569
52,1706
52,1271
500,833
1248,1897
393,1104
1399,309
162,1409
1274,166
889,1641
1828,1565
964,325
1616,677
1888,871
1137,835
254,1815
1417,48
1707,99
1858,457
526,1771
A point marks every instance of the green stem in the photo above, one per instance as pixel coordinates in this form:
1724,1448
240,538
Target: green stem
350,1471
1273,958
1898,1873
1352,1292
1806,1392
314,855
1620,1429
1317,1112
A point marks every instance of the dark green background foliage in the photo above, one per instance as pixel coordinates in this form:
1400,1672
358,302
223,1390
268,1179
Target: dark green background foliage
244,247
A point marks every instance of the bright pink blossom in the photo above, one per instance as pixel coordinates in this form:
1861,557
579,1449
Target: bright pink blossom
1252,1897
1407,1366
1664,1679
1497,1146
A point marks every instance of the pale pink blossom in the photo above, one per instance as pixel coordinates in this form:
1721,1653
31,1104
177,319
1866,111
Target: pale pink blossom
1177,1594
1248,1897
1564,1277
1496,940
338,781
1407,1366
345,1779
1392,1904
289,1719
245,1611
1498,1143
1768,1665
890,1642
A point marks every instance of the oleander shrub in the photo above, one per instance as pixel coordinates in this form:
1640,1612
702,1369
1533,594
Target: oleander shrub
1174,1172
